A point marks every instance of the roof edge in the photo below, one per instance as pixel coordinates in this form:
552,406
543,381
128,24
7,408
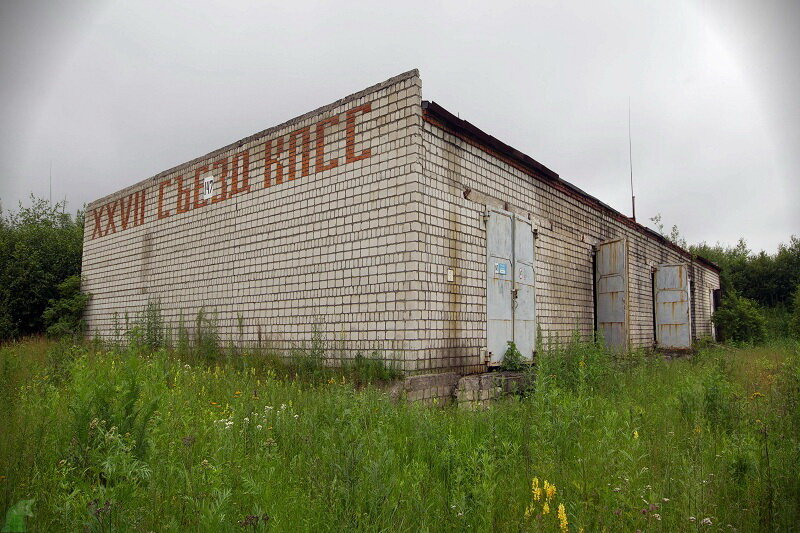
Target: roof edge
435,113
413,73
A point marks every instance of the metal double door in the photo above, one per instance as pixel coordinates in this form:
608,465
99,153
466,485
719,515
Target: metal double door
510,285
673,317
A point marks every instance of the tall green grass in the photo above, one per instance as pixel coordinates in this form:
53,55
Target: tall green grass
123,439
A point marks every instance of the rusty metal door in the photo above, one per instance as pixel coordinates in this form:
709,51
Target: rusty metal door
673,317
611,279
524,300
499,283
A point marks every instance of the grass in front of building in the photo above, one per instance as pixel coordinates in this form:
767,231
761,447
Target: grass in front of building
115,439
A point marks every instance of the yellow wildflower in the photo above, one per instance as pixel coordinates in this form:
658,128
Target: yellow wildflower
529,511
756,395
635,434
549,489
562,517
546,508
537,492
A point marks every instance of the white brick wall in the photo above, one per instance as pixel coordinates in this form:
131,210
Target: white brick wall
455,313
314,251
358,250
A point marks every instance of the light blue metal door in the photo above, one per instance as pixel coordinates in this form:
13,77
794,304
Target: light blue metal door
499,284
510,279
524,300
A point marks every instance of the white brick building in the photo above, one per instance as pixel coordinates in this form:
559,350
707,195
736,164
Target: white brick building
385,222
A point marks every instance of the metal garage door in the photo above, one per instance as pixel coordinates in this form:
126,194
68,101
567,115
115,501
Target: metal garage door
611,279
673,317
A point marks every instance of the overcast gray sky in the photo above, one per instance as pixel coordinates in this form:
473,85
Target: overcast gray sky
114,92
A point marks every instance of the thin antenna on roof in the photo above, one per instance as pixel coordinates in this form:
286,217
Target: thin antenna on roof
51,182
630,159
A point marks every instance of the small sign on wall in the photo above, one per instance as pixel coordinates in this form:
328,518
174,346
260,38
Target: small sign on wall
208,187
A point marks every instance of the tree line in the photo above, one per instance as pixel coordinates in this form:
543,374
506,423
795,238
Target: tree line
40,263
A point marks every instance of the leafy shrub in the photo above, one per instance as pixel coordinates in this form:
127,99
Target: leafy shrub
788,389
719,401
183,337
153,326
40,247
59,359
512,359
64,316
576,364
8,329
794,321
115,406
206,335
148,333
373,369
777,321
740,320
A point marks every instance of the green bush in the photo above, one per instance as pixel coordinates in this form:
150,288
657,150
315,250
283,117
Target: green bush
512,359
720,401
207,344
148,333
777,321
740,320
40,247
794,321
577,364
64,316
369,370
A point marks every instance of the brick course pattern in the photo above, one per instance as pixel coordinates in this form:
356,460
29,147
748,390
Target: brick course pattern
308,228
461,180
344,222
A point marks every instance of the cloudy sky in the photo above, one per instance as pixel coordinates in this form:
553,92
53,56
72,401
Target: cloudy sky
109,93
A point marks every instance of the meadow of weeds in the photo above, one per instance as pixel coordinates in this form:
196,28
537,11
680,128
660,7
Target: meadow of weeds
134,439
